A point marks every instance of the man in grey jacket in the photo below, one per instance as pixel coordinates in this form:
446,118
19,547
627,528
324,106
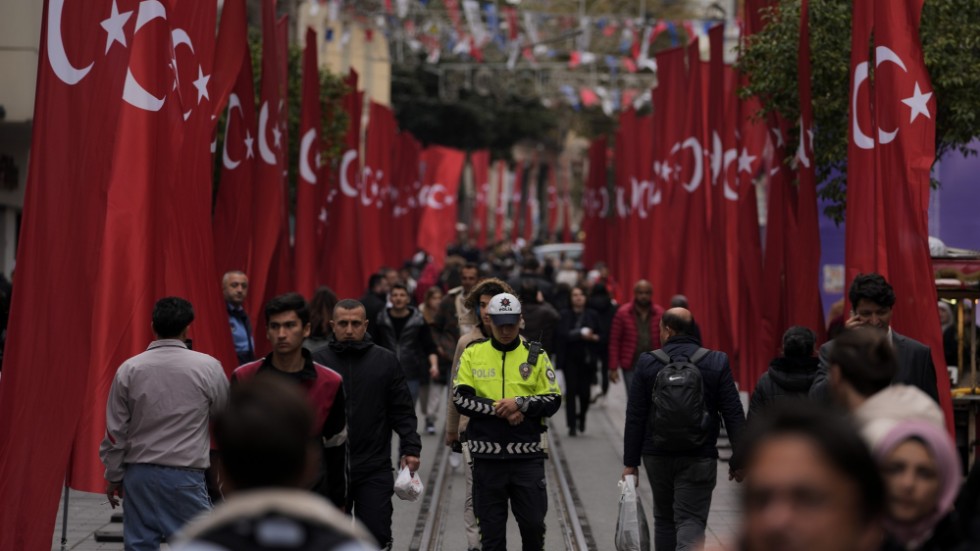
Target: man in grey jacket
156,446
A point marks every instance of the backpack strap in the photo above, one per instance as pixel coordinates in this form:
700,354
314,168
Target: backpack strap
661,356
699,355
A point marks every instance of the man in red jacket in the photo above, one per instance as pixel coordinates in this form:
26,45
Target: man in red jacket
635,330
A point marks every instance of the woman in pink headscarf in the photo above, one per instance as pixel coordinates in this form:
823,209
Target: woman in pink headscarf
922,476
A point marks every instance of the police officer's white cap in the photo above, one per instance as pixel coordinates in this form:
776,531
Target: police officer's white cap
504,309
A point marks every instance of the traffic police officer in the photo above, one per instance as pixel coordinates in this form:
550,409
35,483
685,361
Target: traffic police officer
507,388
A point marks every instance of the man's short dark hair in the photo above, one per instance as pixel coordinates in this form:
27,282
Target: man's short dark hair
401,286
471,266
679,325
873,288
349,304
374,280
834,437
490,286
531,264
866,359
171,315
798,342
264,433
288,302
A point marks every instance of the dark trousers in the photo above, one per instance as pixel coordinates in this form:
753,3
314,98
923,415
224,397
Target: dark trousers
522,482
369,501
578,388
682,489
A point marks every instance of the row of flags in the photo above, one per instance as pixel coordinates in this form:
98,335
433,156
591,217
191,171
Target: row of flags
684,192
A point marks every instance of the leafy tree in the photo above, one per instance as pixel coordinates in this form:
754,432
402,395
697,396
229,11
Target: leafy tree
951,45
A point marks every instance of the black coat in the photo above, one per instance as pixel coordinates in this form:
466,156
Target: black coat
411,347
787,378
720,399
946,536
540,321
915,367
378,402
573,352
605,312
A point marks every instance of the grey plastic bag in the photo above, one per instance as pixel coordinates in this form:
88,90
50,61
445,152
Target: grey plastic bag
632,530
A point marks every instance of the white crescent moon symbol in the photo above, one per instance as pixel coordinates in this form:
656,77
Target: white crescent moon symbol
716,156
179,36
304,157
622,209
57,57
133,92
883,54
730,157
637,204
694,145
861,139
345,186
431,202
801,151
229,163
267,155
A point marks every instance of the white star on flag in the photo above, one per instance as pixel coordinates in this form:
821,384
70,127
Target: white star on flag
918,103
745,161
114,27
202,84
249,140
277,135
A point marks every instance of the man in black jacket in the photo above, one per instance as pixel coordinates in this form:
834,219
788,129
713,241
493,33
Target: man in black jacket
682,479
378,403
790,375
872,299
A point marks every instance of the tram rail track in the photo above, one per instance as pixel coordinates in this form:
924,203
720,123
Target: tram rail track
430,528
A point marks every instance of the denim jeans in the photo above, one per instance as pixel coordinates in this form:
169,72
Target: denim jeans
682,489
158,502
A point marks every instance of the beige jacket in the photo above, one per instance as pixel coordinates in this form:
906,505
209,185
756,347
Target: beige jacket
896,403
456,423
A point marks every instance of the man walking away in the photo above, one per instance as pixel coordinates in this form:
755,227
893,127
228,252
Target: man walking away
683,391
156,445
791,375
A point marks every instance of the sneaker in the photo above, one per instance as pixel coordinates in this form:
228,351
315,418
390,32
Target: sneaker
455,460
430,428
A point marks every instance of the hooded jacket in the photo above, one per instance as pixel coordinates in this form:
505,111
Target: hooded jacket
787,378
378,402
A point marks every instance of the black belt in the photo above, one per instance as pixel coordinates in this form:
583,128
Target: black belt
191,469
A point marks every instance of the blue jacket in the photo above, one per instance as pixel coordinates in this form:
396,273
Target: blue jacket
720,398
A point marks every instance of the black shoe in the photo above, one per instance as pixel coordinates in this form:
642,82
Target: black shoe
571,431
581,424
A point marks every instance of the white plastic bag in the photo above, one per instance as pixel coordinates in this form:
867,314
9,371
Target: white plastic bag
632,531
408,485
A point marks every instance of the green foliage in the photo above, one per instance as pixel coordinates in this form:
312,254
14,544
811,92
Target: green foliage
334,118
951,45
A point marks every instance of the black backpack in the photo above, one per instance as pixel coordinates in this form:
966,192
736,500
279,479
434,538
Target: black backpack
679,417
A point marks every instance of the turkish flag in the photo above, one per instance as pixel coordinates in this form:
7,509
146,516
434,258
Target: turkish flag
552,198
342,263
480,163
500,208
515,199
376,243
803,256
566,203
531,207
231,53
309,164
233,205
595,205
406,183
269,208
442,168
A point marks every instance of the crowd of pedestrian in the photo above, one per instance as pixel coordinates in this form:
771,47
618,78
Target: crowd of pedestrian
842,445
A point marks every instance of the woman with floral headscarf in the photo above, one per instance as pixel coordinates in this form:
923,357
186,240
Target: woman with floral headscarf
921,471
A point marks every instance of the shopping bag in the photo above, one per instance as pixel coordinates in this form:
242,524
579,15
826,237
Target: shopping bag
408,485
632,531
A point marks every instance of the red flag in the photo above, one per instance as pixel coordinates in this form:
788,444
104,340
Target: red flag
74,128
407,181
269,208
595,205
553,199
480,162
515,199
442,169
803,264
342,262
500,209
376,243
309,165
233,206
231,52
531,206
566,203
